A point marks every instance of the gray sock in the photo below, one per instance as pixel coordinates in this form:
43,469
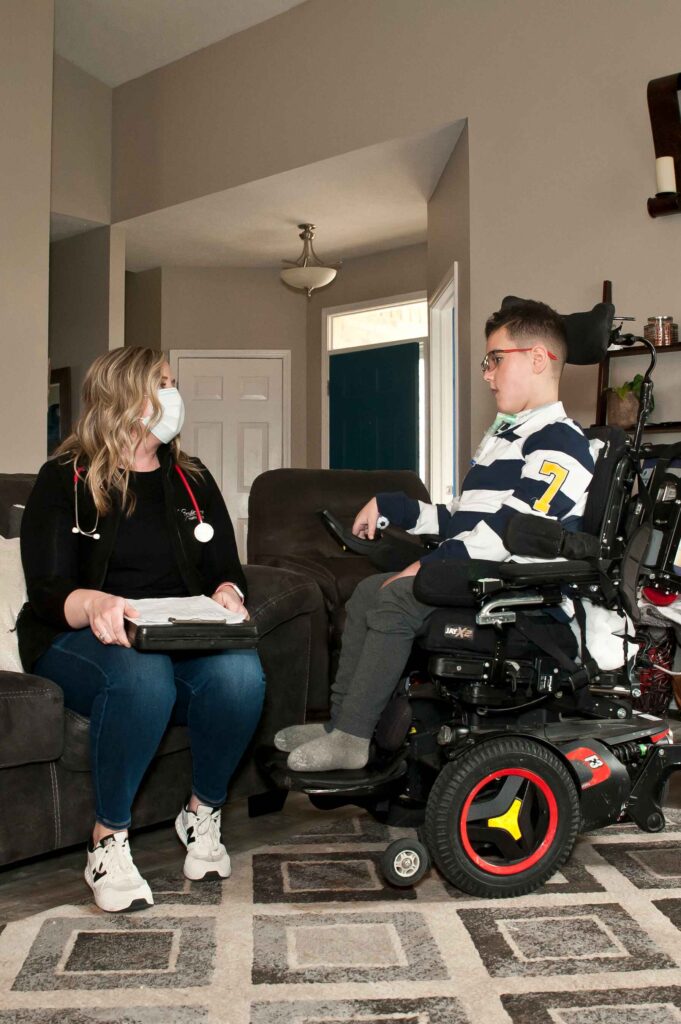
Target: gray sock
336,750
292,737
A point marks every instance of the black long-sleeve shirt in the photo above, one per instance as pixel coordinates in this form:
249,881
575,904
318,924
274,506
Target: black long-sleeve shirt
58,561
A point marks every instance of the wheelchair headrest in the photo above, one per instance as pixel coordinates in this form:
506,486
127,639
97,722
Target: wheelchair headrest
588,334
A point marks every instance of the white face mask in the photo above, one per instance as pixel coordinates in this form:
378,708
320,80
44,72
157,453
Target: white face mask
172,415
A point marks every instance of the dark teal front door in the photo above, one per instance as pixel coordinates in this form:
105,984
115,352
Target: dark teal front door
374,408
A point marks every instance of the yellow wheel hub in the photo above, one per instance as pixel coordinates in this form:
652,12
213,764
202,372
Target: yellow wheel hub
509,820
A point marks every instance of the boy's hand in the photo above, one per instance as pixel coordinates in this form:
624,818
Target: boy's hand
411,570
365,521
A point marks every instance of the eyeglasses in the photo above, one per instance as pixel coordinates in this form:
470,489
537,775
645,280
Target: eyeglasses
495,355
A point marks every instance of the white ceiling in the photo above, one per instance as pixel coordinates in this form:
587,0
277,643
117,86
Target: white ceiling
116,40
361,202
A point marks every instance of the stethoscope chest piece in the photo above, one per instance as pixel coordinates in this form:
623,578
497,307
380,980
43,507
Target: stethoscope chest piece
204,532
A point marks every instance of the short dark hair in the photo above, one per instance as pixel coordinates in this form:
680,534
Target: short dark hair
525,318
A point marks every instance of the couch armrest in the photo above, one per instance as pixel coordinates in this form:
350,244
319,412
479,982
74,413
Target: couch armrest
31,719
276,595
288,609
308,567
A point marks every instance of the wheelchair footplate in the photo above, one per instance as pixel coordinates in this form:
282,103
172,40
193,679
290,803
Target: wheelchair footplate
379,776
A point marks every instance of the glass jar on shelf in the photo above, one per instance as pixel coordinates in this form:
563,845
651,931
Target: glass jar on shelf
661,330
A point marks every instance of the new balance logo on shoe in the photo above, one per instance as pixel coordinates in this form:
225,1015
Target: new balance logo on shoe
190,835
116,883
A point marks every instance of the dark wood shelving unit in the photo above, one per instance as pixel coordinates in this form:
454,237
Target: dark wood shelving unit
603,379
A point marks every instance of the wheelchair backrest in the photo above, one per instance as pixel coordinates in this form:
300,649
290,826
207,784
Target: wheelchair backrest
661,564
610,491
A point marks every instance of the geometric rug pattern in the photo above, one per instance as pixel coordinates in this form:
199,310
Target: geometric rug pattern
307,932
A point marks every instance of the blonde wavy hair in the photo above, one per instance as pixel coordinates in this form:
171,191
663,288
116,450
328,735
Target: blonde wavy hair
104,439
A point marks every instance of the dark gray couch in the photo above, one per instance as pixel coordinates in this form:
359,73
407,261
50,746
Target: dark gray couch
286,531
45,788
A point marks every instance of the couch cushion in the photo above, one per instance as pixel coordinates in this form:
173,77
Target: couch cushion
31,719
284,504
12,598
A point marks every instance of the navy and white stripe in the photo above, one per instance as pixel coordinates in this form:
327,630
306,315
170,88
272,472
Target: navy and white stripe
540,464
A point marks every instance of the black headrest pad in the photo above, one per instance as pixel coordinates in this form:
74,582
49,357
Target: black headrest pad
588,334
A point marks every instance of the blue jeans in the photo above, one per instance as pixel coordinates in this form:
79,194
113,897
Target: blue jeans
131,697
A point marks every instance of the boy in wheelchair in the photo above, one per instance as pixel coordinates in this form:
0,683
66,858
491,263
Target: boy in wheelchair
515,736
534,459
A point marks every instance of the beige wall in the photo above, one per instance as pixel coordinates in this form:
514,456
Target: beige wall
448,243
86,295
560,151
81,144
239,309
143,309
25,129
383,275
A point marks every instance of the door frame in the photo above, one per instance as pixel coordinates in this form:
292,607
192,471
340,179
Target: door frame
357,307
284,354
444,387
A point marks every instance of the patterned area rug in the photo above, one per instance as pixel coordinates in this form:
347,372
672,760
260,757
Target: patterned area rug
306,932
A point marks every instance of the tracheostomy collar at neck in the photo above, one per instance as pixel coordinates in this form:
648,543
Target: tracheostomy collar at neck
172,415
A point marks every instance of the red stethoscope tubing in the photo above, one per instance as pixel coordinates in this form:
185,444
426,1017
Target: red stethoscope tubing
201,526
194,502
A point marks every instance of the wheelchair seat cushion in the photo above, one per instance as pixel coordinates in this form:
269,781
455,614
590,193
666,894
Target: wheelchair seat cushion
455,629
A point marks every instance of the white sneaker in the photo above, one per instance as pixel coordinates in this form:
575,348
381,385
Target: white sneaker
115,881
200,833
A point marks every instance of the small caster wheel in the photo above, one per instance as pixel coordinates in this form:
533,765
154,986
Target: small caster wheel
405,862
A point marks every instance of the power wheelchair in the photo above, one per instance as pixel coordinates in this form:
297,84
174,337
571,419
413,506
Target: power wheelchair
505,738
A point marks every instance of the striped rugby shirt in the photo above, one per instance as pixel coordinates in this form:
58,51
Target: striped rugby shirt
541,463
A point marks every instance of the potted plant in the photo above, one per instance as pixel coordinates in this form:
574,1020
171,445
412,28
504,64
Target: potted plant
623,402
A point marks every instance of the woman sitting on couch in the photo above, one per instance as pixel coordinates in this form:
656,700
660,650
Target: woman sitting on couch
113,517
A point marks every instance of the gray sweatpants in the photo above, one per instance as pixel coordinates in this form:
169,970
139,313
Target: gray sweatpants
381,625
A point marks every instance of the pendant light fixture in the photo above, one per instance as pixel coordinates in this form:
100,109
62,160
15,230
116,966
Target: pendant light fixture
308,271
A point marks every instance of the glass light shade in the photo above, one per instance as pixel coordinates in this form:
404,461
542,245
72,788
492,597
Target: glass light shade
308,278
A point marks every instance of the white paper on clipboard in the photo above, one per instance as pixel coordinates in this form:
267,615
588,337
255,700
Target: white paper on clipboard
158,611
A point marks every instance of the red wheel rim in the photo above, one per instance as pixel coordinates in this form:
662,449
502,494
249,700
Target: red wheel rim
523,780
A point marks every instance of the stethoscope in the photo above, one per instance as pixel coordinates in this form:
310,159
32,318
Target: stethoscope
203,531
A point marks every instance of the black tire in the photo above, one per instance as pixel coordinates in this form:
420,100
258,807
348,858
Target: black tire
514,778
330,802
405,862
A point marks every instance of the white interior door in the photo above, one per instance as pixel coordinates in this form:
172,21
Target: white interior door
235,422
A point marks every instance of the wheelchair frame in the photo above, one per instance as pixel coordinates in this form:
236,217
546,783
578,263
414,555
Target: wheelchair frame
500,762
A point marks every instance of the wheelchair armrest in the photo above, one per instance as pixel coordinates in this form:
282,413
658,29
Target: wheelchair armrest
538,537
392,550
518,575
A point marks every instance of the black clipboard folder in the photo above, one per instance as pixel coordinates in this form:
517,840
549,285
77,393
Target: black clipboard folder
192,635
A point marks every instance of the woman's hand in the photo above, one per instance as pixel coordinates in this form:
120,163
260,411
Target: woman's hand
365,520
227,596
105,615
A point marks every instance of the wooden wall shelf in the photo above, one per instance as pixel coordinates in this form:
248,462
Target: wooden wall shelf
669,426
641,350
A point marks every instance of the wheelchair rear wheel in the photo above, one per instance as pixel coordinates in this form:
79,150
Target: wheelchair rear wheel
501,821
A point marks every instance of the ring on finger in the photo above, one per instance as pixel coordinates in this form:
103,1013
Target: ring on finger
101,636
